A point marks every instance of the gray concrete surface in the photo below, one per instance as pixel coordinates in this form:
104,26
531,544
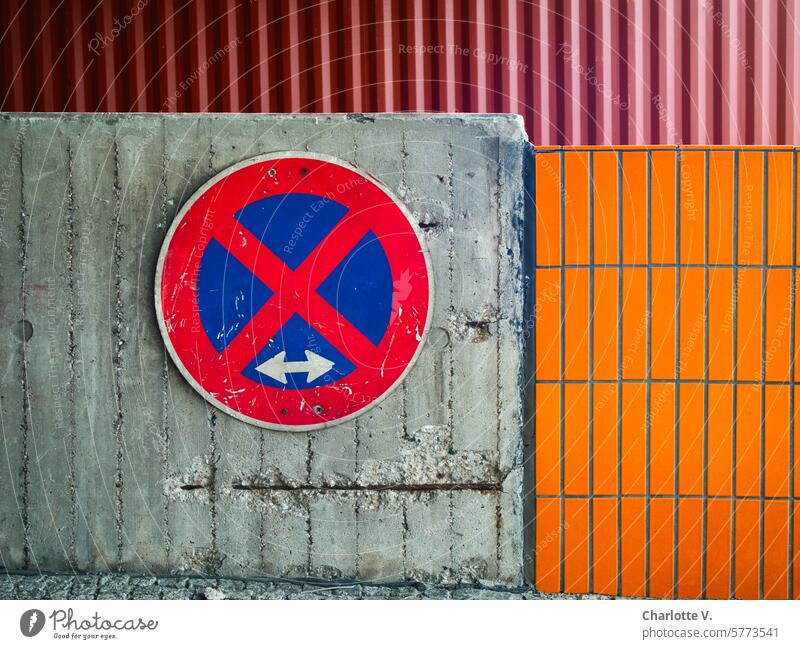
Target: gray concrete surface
106,586
110,461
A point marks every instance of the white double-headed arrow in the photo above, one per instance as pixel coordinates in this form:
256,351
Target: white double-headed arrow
277,368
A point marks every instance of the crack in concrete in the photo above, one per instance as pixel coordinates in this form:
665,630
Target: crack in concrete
469,486
72,349
22,233
120,342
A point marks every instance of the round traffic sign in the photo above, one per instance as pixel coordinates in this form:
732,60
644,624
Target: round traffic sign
293,291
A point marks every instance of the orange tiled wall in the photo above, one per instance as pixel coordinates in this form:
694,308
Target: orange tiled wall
666,360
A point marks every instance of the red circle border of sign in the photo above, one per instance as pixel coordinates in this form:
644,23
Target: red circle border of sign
185,209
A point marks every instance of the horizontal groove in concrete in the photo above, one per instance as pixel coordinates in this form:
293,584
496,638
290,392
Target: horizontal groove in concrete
477,486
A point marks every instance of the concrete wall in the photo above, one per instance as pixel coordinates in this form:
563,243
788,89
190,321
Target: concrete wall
111,461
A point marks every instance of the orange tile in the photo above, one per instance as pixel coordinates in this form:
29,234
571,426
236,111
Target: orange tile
749,325
548,210
690,544
634,323
605,546
692,323
634,208
662,439
690,479
720,324
720,439
635,411
776,548
796,276
576,439
548,324
796,553
779,330
751,208
776,441
576,318
748,444
605,439
797,180
796,433
576,208
663,323
634,460
662,200
548,544
779,208
661,547
576,546
548,444
606,249
692,188
718,551
746,549
633,547
606,320
720,207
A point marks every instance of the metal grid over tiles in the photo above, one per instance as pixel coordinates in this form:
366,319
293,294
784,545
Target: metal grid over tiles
665,372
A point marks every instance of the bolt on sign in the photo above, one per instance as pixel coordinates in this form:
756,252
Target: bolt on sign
666,454
293,291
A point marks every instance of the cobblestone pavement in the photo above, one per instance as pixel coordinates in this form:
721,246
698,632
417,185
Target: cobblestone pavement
113,586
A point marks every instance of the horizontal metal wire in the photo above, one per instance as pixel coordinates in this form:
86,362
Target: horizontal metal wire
670,496
671,266
645,381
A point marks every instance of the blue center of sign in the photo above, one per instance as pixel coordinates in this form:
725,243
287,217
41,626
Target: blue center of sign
296,339
360,288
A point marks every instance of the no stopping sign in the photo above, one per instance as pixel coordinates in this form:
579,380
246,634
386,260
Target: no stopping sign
293,291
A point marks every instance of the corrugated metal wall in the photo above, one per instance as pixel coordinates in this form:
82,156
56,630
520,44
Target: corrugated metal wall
602,72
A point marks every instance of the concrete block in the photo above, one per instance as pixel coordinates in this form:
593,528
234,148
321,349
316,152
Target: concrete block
14,424
116,463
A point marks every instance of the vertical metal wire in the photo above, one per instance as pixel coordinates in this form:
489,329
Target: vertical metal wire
530,550
676,411
735,345
619,372
590,189
792,378
762,452
648,370
562,352
704,557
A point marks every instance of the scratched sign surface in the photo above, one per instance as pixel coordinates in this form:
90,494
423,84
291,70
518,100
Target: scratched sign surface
293,291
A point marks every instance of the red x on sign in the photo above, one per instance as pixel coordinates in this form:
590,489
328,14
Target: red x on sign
293,291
